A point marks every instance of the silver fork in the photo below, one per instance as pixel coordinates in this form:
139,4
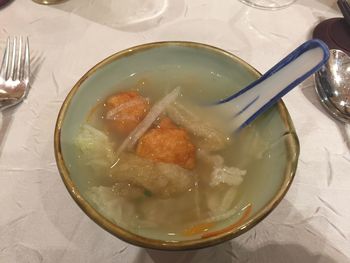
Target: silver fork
14,72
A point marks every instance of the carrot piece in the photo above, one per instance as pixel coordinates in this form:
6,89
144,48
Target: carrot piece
247,211
197,229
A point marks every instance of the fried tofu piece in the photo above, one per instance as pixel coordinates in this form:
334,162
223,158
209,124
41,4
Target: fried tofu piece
125,110
169,144
161,179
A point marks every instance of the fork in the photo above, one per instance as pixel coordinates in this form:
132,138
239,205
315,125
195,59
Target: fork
14,73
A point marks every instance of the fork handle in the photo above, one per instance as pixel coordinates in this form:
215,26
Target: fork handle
260,95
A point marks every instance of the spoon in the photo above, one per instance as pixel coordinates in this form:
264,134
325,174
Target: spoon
333,87
243,107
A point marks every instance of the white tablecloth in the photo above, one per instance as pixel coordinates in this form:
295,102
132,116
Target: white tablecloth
39,222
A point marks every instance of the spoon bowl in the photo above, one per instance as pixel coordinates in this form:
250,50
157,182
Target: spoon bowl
333,85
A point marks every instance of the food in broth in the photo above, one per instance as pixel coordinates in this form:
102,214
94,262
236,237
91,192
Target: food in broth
153,163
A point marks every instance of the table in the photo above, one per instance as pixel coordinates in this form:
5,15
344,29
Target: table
39,222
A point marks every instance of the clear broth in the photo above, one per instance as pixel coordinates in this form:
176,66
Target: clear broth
173,216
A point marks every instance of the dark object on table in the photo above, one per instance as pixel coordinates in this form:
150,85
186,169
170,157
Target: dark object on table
344,7
335,32
4,2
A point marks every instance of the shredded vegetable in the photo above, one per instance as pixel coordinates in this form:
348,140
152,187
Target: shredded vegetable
227,175
112,113
95,149
211,139
246,212
144,125
92,112
198,229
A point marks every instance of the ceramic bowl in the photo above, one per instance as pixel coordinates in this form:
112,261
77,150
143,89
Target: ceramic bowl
266,183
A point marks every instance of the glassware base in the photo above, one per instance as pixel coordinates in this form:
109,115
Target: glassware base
268,4
49,2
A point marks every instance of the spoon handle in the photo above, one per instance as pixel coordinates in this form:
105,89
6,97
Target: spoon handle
260,95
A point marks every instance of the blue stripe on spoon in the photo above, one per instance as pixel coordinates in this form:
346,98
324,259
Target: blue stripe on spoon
309,45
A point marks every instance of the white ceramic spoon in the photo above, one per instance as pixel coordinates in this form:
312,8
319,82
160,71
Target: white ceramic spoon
241,108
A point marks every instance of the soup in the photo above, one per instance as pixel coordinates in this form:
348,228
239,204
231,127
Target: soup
153,161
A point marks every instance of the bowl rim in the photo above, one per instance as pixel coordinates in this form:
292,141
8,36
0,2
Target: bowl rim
292,143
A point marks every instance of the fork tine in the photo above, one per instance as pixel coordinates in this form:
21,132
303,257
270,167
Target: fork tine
5,60
26,66
18,67
13,58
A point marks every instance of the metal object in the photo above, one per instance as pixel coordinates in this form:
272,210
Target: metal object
333,85
14,72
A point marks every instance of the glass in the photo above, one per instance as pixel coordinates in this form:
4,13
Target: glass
48,2
268,4
126,15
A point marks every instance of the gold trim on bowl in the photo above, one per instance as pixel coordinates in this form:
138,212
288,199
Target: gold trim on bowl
292,145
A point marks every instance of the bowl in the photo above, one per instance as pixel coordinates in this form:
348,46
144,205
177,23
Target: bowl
270,175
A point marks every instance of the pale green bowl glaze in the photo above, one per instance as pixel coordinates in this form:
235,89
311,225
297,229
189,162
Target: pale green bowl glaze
266,185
